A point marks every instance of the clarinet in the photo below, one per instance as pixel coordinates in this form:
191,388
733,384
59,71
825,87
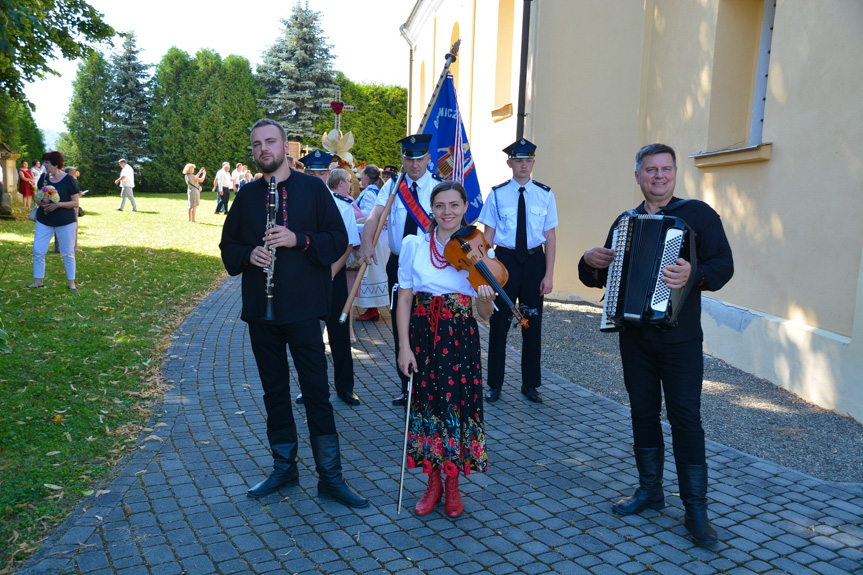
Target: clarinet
272,205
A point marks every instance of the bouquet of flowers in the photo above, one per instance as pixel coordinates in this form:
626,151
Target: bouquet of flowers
49,192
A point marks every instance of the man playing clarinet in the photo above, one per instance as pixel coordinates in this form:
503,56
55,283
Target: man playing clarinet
308,237
668,360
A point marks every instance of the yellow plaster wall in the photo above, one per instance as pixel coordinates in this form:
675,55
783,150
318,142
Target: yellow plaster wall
608,77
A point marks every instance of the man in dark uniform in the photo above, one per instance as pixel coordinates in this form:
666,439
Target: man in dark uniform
520,216
420,182
308,238
317,164
669,360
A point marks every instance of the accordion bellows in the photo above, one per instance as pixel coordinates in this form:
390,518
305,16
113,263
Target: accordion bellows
643,245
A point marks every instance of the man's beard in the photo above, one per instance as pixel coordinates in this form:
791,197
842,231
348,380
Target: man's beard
270,166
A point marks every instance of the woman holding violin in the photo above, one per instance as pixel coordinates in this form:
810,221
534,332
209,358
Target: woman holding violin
439,342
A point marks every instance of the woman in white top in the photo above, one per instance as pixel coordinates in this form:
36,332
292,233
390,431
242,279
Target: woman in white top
374,291
440,343
193,188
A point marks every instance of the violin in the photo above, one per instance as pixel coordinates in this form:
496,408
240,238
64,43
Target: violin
467,249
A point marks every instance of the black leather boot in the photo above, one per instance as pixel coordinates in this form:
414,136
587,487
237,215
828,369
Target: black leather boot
285,471
648,495
328,464
693,492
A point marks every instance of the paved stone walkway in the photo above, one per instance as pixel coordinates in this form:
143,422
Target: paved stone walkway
179,505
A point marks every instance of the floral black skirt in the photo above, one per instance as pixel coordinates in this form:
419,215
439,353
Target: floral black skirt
446,429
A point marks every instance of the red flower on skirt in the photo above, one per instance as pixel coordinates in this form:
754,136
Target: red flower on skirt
449,469
463,299
476,449
427,466
411,463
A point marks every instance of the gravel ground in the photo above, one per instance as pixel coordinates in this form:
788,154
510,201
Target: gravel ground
738,409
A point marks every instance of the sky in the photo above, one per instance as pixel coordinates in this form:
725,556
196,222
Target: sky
366,43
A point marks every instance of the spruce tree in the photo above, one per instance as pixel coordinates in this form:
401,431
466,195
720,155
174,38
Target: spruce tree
129,107
296,75
88,121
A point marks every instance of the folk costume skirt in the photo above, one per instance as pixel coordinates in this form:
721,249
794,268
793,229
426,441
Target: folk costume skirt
446,429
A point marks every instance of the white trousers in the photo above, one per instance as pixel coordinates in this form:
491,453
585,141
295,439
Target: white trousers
66,240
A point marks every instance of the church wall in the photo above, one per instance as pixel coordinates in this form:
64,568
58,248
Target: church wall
606,78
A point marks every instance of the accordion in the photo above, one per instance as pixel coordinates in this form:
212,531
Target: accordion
634,291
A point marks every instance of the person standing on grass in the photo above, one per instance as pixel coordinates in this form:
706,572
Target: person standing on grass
126,181
223,185
309,236
26,184
193,187
56,217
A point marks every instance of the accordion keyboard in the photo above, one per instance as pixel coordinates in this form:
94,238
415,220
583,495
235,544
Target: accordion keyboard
661,292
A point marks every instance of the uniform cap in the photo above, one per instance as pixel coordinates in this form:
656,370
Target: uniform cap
520,149
317,161
415,146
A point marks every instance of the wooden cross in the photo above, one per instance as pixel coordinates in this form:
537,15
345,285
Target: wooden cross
338,107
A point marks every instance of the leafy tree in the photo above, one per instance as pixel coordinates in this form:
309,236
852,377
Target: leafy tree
88,123
30,137
377,124
296,74
66,146
201,113
9,131
129,108
18,129
208,150
31,30
173,126
238,94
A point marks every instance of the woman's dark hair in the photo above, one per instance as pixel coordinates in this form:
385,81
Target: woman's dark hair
443,187
374,174
56,158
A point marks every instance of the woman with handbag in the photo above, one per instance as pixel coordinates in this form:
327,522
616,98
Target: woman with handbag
56,217
439,342
193,187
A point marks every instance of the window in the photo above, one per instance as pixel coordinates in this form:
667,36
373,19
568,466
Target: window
744,31
503,69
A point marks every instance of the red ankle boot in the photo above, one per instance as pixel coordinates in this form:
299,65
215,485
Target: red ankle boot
454,506
432,496
371,314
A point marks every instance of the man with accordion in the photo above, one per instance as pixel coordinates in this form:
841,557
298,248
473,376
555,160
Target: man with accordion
662,351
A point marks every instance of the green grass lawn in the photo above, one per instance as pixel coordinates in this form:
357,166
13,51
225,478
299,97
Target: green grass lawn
79,384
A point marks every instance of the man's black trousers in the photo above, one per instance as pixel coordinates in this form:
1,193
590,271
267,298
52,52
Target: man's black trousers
270,344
